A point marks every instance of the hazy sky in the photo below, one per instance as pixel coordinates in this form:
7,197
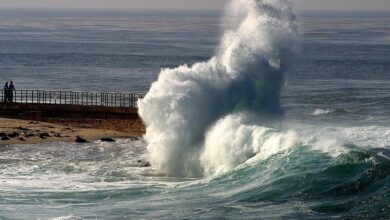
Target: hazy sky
191,4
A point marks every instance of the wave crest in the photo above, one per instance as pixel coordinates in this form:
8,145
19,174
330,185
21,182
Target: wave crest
245,75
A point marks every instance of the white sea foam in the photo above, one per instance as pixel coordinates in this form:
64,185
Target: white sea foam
245,75
71,217
322,112
331,138
373,136
234,140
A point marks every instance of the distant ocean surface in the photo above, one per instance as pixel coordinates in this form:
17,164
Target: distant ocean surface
101,51
338,87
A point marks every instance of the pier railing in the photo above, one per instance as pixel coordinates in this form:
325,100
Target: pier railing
71,98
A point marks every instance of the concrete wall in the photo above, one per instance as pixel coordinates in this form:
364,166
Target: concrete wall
110,118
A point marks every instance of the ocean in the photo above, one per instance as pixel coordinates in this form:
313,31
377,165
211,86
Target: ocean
325,155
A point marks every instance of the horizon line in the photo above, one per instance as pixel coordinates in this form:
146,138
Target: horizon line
174,9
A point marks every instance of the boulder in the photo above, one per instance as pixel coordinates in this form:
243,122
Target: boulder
57,134
144,163
80,140
30,135
13,134
133,138
5,138
44,135
107,140
23,129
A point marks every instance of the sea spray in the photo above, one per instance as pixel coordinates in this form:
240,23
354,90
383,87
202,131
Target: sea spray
186,105
235,139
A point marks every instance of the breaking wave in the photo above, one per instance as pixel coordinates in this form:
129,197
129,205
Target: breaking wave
192,113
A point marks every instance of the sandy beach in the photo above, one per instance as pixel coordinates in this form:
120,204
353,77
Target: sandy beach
14,131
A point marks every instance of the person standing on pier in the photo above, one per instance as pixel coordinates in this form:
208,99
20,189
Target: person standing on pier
5,92
11,89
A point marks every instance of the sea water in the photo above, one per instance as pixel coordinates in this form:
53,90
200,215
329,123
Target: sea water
325,156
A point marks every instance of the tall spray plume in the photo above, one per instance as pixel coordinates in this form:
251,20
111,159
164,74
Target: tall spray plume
200,118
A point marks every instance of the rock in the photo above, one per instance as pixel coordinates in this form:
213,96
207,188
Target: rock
13,134
144,163
3,134
5,138
57,135
107,140
80,140
22,139
23,129
132,138
44,135
30,135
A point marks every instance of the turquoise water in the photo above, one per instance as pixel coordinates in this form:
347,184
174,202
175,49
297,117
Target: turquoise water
336,98
103,181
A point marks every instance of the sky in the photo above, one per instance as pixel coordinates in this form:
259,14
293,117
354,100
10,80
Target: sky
350,5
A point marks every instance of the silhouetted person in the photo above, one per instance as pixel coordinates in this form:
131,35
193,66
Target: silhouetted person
5,92
11,89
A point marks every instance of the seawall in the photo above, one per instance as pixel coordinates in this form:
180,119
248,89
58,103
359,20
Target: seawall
123,119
